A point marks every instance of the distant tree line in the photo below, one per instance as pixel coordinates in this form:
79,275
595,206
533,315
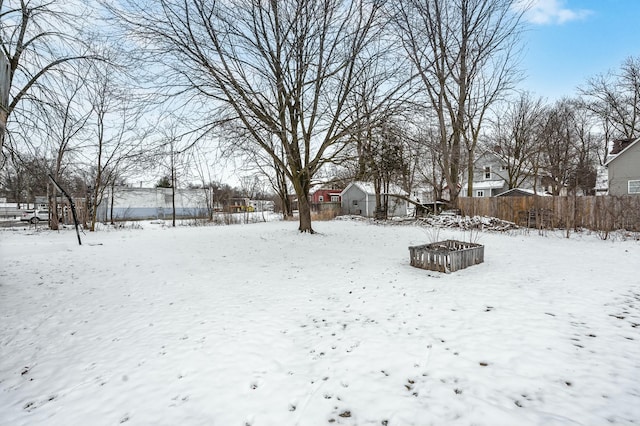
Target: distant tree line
289,94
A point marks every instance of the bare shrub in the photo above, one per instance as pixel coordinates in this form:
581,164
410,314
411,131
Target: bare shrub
324,215
432,233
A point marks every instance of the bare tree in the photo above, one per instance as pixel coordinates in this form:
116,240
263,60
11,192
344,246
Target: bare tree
428,153
281,69
200,161
277,178
462,53
25,177
39,39
514,136
615,98
556,145
568,148
170,156
384,160
4,95
239,143
116,140
66,131
586,152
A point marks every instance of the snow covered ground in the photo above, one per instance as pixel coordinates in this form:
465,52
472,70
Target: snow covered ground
260,325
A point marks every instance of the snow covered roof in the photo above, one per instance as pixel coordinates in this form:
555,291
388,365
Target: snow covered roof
524,190
328,190
490,184
368,188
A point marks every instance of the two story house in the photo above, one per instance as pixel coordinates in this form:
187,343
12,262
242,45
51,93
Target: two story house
492,177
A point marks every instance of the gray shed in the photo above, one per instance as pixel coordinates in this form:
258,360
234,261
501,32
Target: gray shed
359,198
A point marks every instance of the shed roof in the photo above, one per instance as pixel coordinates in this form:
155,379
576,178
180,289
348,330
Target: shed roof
368,188
525,192
331,191
489,184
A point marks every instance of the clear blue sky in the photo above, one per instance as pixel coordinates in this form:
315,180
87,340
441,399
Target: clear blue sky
568,41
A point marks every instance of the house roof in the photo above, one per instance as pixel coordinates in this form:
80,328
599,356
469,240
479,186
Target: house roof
330,191
620,144
368,188
635,142
489,184
523,190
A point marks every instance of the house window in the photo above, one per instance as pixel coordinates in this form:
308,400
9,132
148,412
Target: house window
634,187
335,198
479,193
487,172
355,202
321,198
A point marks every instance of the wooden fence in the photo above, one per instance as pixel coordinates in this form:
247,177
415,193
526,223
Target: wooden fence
601,213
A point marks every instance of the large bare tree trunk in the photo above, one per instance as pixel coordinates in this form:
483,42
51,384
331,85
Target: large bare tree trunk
54,223
5,83
3,126
301,185
470,170
304,212
96,192
112,196
283,193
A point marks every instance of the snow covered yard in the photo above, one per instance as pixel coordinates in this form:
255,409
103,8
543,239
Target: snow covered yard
259,325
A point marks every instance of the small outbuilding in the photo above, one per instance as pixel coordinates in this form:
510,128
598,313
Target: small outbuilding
359,198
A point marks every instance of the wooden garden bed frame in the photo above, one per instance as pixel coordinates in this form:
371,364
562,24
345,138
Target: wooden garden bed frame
446,256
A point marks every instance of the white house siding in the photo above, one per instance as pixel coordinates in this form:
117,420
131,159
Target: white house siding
496,182
484,186
148,203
